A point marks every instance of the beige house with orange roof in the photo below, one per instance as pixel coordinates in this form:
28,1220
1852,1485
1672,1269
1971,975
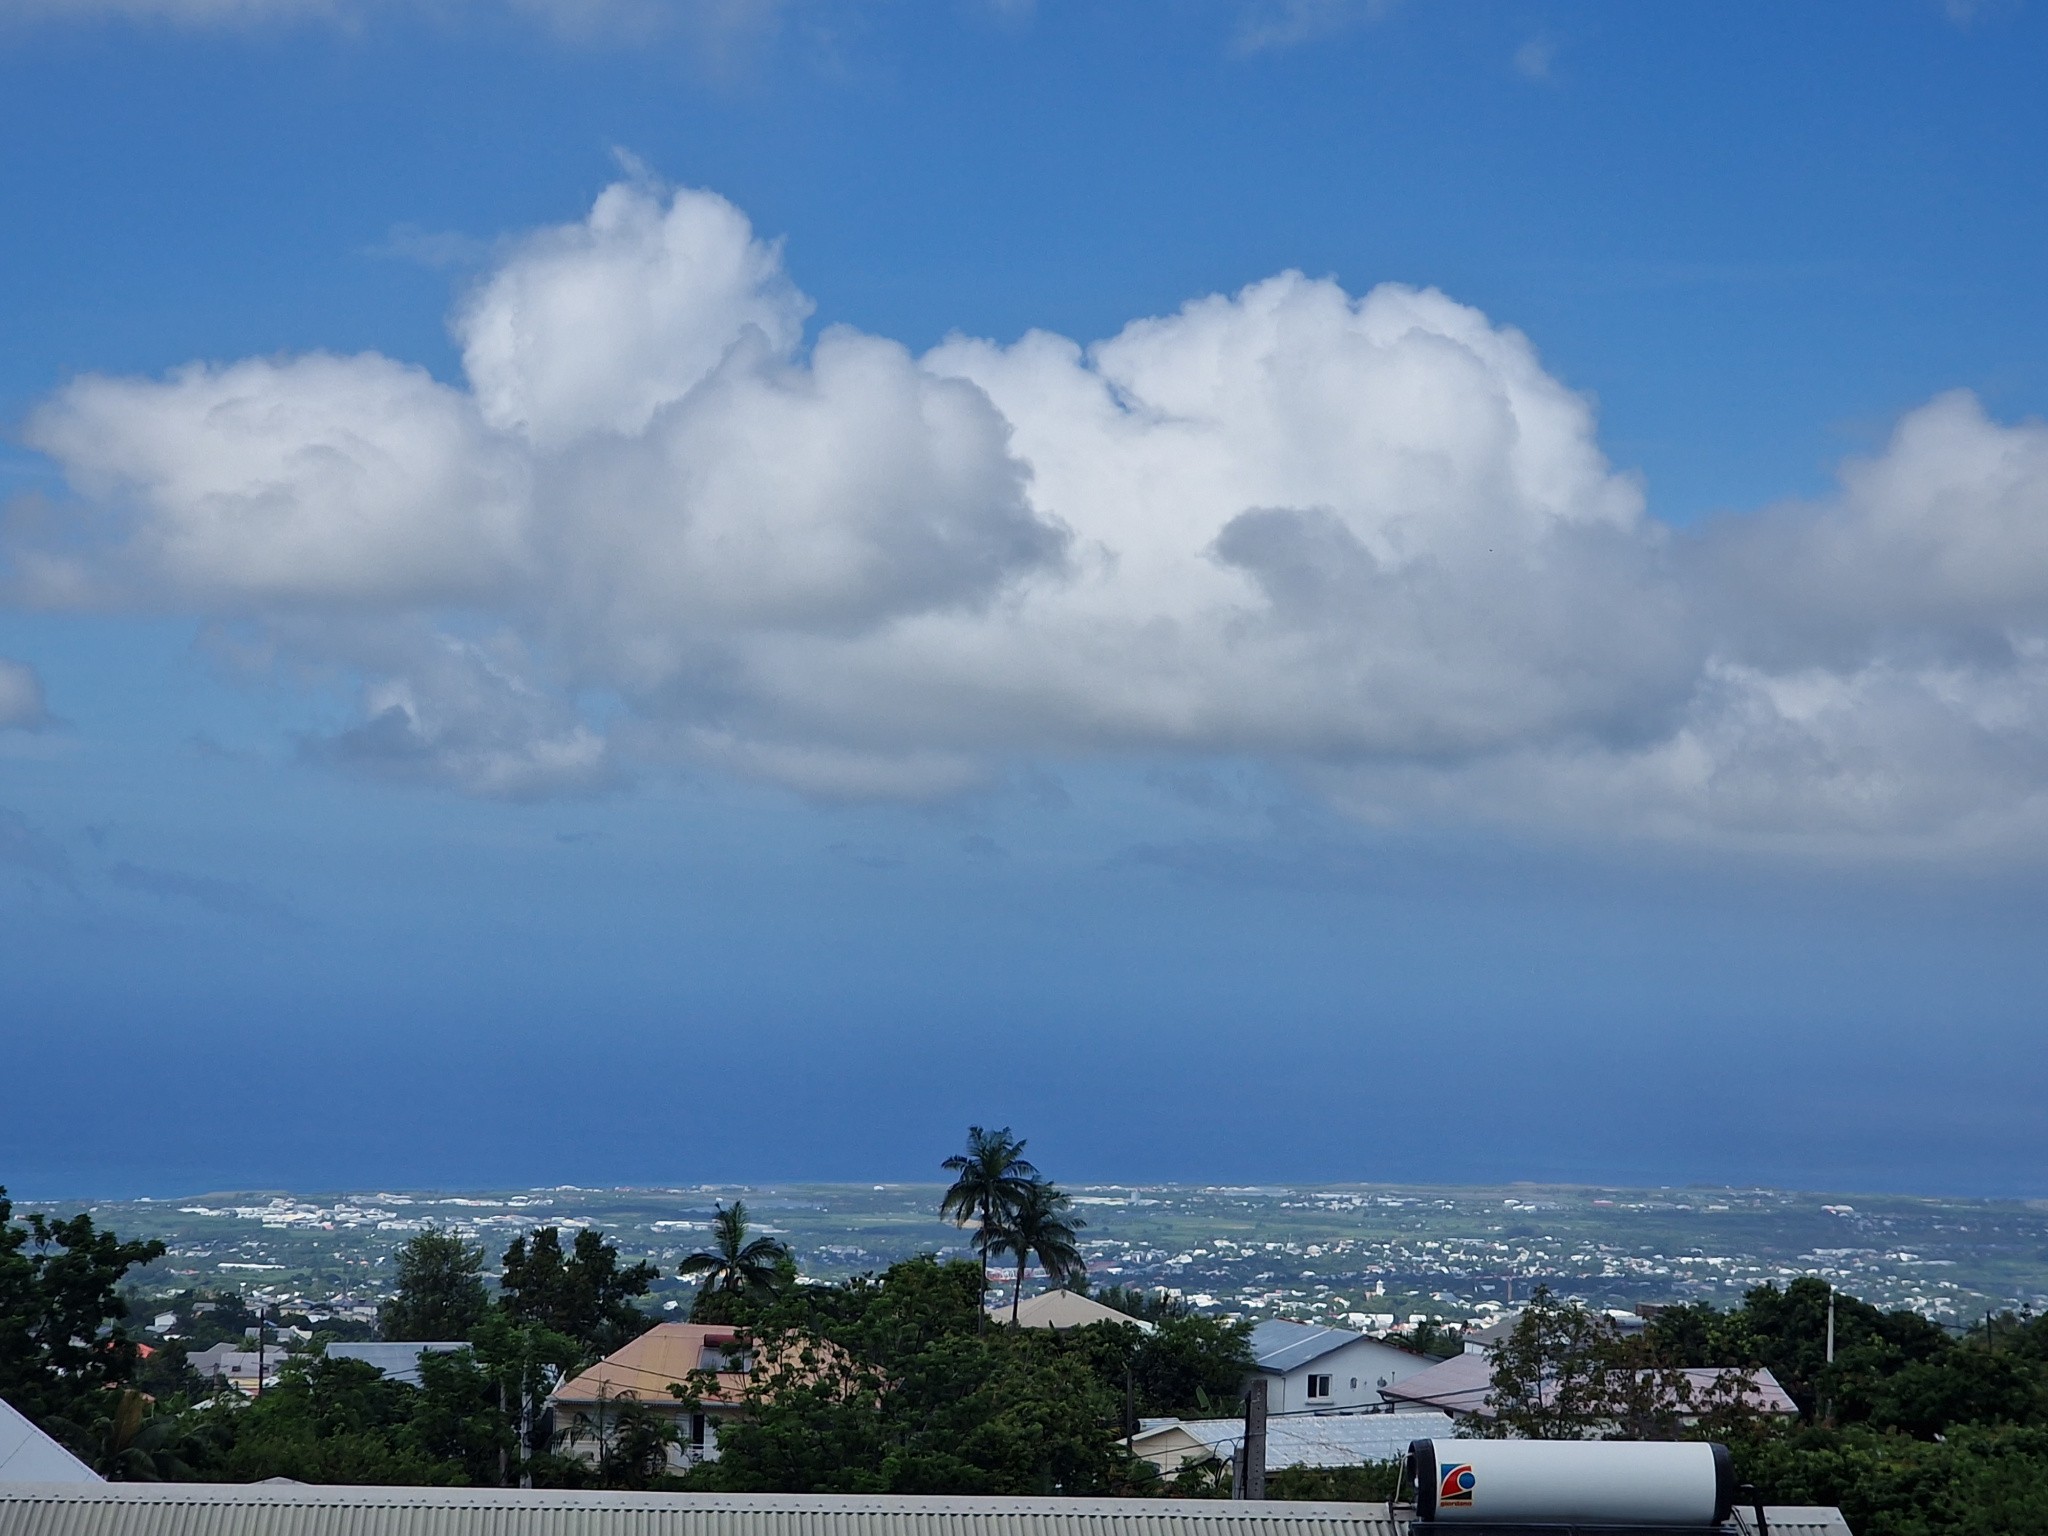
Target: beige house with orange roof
643,1371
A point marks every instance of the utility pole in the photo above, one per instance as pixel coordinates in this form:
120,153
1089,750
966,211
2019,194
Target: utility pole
1254,1481
259,1348
1827,1407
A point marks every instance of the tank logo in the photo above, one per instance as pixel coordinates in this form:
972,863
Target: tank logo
1457,1487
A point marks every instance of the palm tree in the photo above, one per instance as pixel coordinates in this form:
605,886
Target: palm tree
128,1441
1040,1228
732,1263
990,1179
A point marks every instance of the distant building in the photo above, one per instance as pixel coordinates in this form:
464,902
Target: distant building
1313,1369
1479,1340
1296,1440
398,1362
1064,1309
238,1367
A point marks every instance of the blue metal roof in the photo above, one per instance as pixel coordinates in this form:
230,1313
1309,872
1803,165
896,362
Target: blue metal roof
1278,1345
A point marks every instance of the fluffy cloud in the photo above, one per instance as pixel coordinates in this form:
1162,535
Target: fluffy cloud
21,697
1369,539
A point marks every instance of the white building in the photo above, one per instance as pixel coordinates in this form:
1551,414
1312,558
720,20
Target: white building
1313,1369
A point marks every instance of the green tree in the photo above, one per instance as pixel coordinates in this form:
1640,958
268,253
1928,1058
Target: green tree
1563,1373
59,1293
522,1363
586,1294
1189,1365
736,1265
990,1180
632,1442
126,1439
329,1421
1038,1227
440,1289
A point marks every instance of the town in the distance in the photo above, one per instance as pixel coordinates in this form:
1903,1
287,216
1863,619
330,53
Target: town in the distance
999,1334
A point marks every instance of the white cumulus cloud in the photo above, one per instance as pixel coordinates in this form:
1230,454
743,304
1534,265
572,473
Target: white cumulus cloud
1367,538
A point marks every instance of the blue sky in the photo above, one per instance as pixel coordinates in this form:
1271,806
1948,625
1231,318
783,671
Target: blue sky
578,602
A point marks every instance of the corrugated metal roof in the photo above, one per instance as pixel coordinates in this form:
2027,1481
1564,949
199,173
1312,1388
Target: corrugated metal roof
266,1509
192,1509
1280,1345
27,1455
1318,1440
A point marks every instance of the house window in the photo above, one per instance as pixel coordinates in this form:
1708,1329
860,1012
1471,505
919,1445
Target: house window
697,1432
1354,1383
1318,1387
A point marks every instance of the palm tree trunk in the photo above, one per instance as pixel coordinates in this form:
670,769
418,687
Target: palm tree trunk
1017,1296
981,1307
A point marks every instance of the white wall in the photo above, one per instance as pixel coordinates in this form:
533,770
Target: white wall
1356,1372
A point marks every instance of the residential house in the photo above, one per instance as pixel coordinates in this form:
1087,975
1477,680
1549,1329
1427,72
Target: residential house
665,1356
1463,1383
238,1367
1310,1368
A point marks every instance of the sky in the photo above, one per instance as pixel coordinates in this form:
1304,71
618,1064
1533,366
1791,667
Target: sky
642,592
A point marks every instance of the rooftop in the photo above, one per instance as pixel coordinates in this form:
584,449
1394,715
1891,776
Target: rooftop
664,1355
1461,1384
1279,1345
1064,1309
272,1509
27,1455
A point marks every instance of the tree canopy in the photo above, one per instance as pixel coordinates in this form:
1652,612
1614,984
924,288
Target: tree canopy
736,1265
584,1295
990,1178
440,1289
61,1310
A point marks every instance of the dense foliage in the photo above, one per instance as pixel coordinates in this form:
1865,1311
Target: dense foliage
901,1382
1911,1430
897,1384
441,1291
63,1345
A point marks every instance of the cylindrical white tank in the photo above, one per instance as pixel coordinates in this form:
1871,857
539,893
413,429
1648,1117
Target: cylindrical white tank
1572,1482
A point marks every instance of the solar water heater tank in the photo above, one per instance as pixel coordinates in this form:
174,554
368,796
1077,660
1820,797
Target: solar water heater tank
1571,1482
